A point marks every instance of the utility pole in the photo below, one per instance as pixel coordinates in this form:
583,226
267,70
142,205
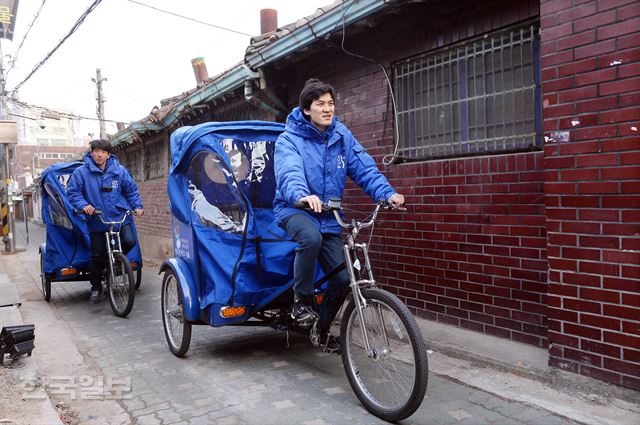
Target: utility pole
100,98
9,241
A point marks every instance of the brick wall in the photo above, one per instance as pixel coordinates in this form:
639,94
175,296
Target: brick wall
591,89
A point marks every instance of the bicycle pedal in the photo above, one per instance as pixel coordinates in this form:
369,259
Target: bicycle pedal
331,345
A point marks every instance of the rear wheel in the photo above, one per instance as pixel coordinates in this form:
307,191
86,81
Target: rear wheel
391,378
45,280
176,328
121,285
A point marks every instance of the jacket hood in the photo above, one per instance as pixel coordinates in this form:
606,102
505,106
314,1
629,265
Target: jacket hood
90,163
300,126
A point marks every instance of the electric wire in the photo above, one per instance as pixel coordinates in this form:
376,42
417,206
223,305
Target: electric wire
387,159
190,19
71,31
15,56
49,110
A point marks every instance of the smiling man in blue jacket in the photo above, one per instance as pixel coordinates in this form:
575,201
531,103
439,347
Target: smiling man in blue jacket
313,157
102,183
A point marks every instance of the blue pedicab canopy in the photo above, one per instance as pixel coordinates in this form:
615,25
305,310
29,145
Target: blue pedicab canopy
221,187
67,239
67,242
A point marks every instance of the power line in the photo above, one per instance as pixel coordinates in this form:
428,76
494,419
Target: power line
60,113
191,19
15,56
73,29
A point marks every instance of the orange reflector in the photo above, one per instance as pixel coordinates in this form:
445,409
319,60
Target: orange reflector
68,271
134,264
319,298
227,312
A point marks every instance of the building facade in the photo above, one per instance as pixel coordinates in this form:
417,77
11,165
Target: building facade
512,134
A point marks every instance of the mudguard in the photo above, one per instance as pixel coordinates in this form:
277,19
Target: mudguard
187,284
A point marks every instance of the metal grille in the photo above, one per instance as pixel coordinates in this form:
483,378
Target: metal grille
479,97
153,161
133,161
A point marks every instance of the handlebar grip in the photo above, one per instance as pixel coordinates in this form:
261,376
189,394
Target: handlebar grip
95,212
301,205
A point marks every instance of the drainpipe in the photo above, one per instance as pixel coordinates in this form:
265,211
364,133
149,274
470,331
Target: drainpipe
249,97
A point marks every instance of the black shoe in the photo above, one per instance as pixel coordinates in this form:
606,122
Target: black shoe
96,297
302,313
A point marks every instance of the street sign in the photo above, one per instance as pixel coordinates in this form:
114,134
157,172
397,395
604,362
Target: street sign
8,132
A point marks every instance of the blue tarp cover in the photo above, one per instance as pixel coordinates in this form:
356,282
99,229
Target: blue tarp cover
221,185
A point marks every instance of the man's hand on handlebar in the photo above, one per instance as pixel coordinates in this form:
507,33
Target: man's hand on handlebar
315,204
89,210
396,200
138,212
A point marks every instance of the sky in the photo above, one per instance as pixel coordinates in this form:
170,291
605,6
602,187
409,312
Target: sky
145,55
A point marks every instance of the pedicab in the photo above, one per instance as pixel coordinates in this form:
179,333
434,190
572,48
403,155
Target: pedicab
233,265
66,253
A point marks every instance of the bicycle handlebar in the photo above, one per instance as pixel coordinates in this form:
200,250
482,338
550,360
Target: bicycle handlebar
99,214
335,205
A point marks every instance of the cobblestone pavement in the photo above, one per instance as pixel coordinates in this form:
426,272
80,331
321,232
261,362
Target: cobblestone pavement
231,375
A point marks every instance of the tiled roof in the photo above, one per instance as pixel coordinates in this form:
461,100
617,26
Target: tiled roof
261,41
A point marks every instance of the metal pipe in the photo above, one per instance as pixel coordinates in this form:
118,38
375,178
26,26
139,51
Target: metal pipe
249,97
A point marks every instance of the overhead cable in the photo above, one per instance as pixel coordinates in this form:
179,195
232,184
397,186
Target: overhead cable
15,56
191,19
73,29
54,111
387,159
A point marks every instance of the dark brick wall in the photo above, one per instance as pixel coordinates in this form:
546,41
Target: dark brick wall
591,70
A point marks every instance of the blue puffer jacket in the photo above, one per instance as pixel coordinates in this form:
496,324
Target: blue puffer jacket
308,162
84,189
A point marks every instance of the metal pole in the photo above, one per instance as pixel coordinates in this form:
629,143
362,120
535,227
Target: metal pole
10,246
100,98
11,242
24,215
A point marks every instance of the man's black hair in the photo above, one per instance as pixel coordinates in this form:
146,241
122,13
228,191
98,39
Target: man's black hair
102,145
312,90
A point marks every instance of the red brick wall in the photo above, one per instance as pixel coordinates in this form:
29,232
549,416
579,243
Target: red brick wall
591,86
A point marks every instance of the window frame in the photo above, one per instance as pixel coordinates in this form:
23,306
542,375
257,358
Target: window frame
413,113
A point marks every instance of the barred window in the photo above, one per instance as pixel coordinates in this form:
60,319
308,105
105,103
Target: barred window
153,161
479,97
133,162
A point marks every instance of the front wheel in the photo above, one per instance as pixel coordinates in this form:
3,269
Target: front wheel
45,280
121,285
391,378
176,328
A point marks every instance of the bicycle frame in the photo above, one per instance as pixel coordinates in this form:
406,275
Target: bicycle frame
352,263
112,238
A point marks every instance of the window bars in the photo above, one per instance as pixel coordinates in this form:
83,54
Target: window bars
479,97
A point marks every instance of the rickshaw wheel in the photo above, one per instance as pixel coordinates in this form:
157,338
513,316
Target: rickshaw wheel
176,328
120,285
390,380
138,277
45,280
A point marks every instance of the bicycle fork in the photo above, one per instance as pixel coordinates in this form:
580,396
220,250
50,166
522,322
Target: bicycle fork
112,237
353,263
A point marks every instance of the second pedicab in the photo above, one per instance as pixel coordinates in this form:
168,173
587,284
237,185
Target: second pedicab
66,253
